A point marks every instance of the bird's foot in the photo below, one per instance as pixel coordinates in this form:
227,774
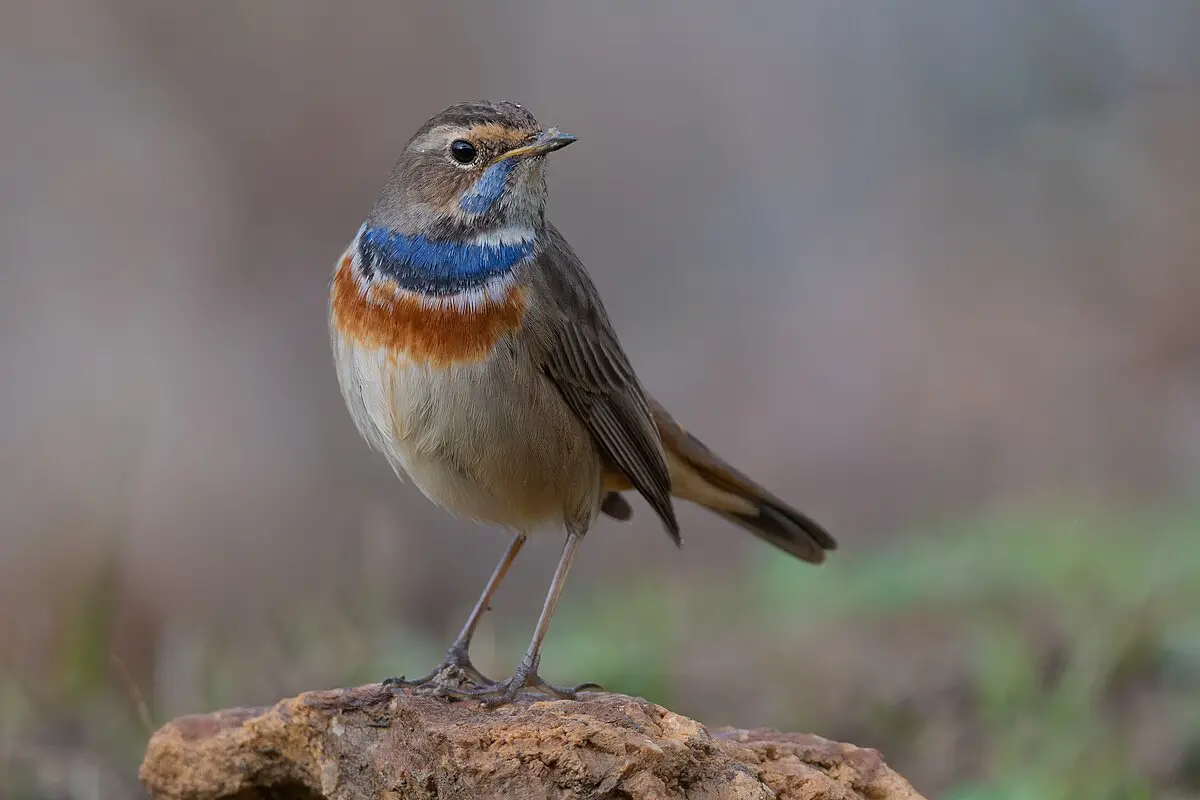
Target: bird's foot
525,681
455,673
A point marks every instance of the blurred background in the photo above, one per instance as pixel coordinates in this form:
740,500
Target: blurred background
929,270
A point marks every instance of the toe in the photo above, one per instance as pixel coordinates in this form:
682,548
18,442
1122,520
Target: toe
563,692
403,683
589,687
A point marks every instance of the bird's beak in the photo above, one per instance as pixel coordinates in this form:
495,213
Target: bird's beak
547,141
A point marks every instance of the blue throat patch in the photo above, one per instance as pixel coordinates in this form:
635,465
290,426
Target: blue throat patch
436,267
488,189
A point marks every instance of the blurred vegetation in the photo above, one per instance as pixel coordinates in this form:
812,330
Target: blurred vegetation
1059,652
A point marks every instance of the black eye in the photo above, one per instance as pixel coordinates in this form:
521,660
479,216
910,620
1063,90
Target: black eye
462,151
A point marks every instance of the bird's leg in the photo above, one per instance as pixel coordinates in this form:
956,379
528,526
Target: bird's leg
526,676
458,658
458,655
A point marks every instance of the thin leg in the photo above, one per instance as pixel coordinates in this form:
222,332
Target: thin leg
463,642
458,656
533,655
526,676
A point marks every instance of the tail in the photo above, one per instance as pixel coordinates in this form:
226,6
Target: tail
701,476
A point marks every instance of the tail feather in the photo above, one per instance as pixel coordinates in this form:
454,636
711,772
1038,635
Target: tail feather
805,540
700,475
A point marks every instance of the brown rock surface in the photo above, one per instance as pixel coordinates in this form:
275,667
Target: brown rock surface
354,744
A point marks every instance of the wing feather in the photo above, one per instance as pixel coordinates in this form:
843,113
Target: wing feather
581,356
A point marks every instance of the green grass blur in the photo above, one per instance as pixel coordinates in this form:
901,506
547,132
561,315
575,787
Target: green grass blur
1036,653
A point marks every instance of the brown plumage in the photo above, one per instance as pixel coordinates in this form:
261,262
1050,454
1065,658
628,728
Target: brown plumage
704,478
475,353
644,447
700,475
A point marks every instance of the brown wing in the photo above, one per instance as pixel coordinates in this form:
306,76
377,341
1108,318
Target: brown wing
581,356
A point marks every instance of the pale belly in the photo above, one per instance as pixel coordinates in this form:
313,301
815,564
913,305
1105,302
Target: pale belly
492,440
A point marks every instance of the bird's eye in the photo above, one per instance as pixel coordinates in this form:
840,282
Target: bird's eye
462,151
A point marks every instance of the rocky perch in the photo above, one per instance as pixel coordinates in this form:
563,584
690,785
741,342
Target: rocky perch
367,742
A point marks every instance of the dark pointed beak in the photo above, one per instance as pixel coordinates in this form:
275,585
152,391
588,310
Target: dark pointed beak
547,141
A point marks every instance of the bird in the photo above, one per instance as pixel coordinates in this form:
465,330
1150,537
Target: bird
474,353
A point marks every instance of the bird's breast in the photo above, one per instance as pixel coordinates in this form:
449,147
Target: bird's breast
436,331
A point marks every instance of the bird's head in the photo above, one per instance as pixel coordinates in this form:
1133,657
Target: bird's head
465,205
474,169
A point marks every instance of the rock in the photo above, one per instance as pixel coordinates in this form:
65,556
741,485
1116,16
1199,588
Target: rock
368,742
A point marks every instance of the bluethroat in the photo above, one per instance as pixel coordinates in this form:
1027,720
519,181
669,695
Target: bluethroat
475,354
